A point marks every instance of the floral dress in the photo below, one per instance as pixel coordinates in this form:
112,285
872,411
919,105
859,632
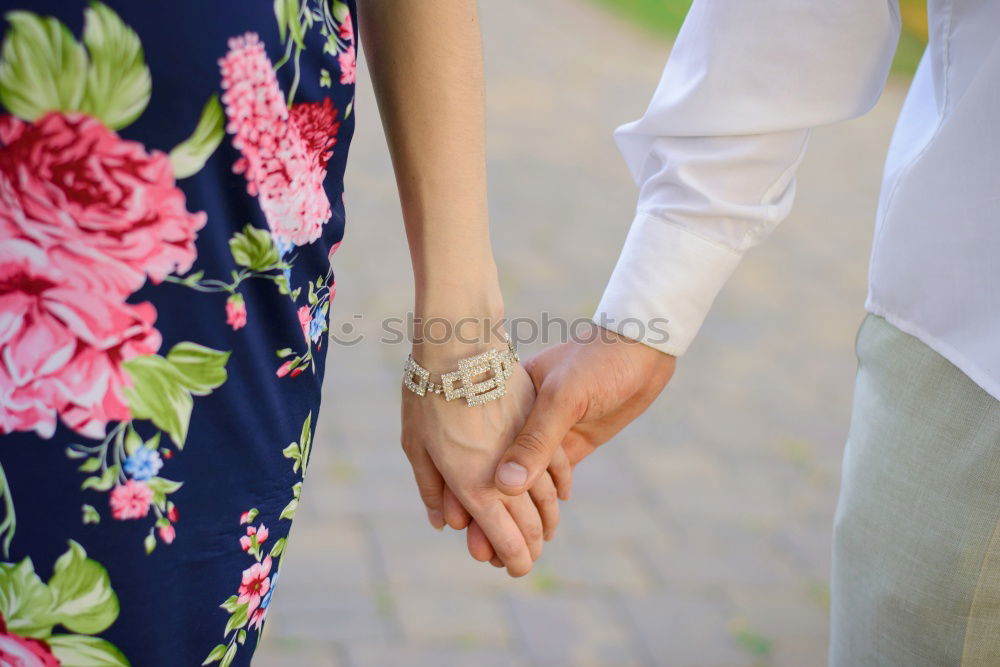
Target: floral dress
171,196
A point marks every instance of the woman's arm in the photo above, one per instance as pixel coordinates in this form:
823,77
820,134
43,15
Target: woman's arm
426,65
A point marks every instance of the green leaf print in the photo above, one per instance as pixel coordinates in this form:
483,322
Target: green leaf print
238,618
25,601
149,542
340,10
227,659
83,599
90,515
293,452
42,67
103,482
254,248
165,486
290,509
281,16
189,156
78,597
305,441
159,394
118,81
295,27
279,547
230,605
162,386
216,654
90,465
132,441
83,651
202,369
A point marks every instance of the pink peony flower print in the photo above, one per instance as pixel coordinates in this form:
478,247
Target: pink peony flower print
284,169
257,618
172,513
110,208
305,317
283,369
236,312
167,533
261,533
346,29
348,65
255,584
62,344
130,500
245,517
20,651
318,126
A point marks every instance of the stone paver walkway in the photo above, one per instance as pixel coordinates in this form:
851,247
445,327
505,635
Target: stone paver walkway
700,536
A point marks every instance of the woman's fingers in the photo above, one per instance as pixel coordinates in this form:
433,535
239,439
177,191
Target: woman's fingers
529,522
454,514
430,483
480,547
504,533
543,495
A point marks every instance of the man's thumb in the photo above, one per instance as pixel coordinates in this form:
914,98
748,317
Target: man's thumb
529,455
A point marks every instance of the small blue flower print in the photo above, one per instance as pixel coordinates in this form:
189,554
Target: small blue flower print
284,246
143,464
266,600
317,326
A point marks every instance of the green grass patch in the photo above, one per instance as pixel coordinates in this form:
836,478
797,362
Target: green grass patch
660,17
544,581
663,18
756,645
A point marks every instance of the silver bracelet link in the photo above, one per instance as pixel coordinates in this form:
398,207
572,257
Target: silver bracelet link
499,365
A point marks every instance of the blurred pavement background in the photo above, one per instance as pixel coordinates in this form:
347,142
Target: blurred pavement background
700,536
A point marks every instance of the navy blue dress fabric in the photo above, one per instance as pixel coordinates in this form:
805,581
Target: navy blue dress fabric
171,196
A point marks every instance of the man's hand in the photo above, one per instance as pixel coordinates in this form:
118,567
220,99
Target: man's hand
586,393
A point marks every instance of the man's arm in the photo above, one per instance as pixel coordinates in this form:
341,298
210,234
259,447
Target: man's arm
715,157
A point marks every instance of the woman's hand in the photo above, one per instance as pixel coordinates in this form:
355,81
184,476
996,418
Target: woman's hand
454,450
426,64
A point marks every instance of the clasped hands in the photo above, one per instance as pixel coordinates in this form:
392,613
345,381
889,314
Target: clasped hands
498,470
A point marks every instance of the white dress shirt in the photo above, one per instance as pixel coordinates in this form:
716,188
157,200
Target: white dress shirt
716,153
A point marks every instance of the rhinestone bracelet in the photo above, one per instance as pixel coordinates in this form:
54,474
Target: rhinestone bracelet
499,364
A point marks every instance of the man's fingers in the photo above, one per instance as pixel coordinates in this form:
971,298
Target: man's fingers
561,472
552,416
454,514
430,484
543,494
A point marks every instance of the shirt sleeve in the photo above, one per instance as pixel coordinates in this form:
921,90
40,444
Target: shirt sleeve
716,152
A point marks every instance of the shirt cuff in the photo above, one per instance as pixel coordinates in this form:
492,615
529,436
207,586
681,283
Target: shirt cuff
664,284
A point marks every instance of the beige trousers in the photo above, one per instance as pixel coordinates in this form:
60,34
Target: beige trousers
916,557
